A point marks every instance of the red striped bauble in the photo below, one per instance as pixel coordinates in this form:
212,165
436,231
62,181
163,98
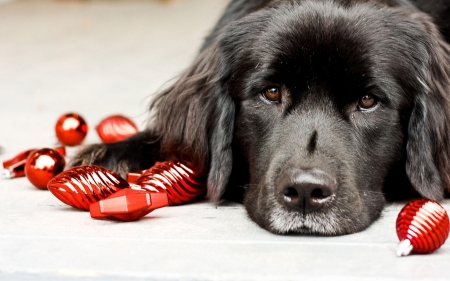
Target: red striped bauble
116,128
81,186
179,180
422,227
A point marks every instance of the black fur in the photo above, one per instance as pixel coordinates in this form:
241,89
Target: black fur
323,56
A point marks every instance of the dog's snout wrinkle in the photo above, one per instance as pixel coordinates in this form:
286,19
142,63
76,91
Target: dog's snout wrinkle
306,191
312,143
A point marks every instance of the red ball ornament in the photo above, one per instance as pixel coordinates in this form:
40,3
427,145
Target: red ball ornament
128,204
116,128
181,182
42,165
15,167
422,227
71,129
81,186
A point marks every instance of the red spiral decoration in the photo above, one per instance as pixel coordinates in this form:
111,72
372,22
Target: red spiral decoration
116,128
81,186
422,226
181,183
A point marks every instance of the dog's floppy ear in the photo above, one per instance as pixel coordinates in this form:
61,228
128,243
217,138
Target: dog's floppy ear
428,145
194,119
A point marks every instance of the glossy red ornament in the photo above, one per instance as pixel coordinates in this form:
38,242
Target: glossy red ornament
71,129
42,165
128,205
133,176
422,227
81,186
116,128
15,167
181,182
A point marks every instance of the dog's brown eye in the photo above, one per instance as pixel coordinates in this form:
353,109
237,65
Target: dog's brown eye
367,102
273,94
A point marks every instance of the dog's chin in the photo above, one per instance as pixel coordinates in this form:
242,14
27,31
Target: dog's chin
331,221
282,221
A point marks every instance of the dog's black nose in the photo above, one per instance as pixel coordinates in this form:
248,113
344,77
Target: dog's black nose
306,190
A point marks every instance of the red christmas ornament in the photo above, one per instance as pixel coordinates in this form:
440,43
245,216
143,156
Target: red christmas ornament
181,183
116,128
128,205
42,165
71,129
133,176
15,167
422,227
81,186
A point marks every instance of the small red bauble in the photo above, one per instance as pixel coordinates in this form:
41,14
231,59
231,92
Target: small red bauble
181,183
128,204
116,128
81,186
71,129
422,227
42,165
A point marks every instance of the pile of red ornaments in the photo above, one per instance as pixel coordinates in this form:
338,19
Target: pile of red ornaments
108,196
40,165
99,190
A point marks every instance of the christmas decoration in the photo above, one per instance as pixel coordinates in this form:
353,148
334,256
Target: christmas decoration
15,167
71,129
133,176
128,205
107,196
181,183
42,165
81,186
422,227
116,128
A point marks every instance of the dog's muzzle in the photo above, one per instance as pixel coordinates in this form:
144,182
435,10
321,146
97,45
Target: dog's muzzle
306,191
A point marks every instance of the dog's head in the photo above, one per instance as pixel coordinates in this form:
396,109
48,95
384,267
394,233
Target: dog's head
326,108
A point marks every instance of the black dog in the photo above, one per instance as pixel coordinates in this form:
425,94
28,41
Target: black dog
319,109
